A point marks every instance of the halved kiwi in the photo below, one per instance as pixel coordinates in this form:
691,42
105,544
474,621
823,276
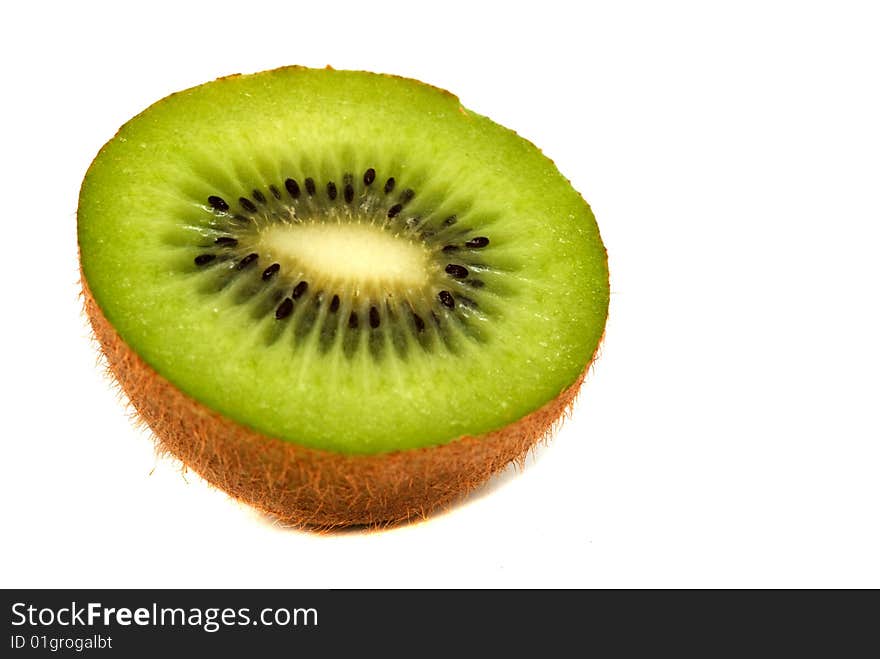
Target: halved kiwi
339,296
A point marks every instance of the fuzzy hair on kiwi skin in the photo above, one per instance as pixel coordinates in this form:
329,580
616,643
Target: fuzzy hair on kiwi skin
310,488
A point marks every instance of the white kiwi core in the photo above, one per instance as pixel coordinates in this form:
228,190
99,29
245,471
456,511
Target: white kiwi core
362,256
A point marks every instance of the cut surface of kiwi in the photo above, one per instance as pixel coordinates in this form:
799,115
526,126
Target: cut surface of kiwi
312,282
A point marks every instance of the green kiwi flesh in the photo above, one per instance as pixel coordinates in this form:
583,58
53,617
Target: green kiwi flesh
342,261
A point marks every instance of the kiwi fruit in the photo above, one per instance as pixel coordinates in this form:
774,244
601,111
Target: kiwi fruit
339,296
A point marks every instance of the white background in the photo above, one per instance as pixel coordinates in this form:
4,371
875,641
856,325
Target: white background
727,436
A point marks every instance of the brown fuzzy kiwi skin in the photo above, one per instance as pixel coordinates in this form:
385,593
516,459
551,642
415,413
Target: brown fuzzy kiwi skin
310,488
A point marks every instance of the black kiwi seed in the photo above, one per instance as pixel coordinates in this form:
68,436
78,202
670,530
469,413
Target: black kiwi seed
275,192
446,299
394,210
247,204
374,317
334,304
310,186
389,185
331,190
477,243
204,259
226,241
407,196
349,193
218,203
353,320
247,260
271,271
259,196
457,271
284,309
450,248
300,289
449,221
369,176
420,324
241,218
292,188
475,283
